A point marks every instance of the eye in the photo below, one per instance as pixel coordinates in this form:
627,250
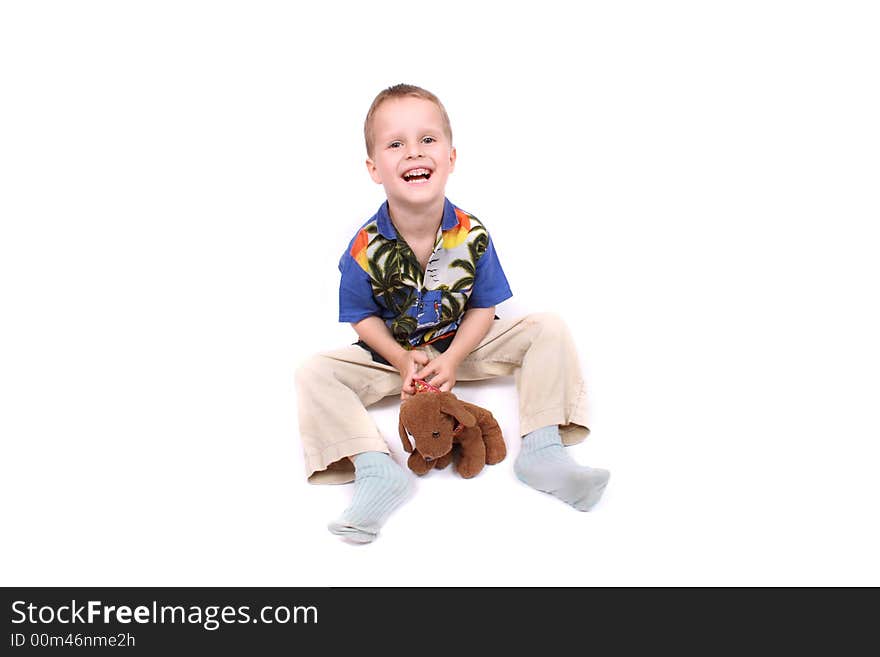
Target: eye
429,140
395,144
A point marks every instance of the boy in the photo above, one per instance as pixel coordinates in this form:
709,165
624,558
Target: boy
420,282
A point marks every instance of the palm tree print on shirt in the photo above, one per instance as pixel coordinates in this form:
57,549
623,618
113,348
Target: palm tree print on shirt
424,307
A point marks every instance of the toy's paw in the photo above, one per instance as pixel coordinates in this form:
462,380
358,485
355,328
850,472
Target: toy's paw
468,468
443,461
495,453
417,464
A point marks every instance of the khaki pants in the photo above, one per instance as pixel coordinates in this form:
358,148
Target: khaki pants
334,388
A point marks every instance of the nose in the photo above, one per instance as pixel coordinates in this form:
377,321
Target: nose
414,151
428,459
436,434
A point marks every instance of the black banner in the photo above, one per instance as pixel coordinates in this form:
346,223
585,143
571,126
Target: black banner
152,621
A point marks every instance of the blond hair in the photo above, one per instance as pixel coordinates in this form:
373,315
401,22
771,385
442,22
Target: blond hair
402,91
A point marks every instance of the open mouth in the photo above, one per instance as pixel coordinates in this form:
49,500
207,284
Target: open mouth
417,176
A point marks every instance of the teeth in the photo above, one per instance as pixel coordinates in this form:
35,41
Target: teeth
416,172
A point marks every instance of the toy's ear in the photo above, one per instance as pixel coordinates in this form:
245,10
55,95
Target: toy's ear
404,438
452,406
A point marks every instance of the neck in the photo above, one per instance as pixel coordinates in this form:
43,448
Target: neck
416,221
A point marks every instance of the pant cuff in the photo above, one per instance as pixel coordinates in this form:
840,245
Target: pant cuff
572,426
332,466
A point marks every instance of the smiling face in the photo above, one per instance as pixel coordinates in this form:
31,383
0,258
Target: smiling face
412,154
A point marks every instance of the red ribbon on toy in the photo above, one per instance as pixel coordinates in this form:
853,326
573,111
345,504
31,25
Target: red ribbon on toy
423,386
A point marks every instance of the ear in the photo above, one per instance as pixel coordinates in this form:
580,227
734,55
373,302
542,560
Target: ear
451,406
373,171
407,444
452,156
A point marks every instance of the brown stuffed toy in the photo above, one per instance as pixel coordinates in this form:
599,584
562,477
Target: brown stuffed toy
438,421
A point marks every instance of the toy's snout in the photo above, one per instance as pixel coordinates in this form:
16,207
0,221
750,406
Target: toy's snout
434,444
436,436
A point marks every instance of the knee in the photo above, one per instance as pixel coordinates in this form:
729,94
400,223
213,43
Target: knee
312,368
548,324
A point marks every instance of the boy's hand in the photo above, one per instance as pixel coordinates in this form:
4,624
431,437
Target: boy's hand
407,366
441,371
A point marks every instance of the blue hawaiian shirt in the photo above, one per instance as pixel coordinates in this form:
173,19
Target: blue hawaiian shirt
381,276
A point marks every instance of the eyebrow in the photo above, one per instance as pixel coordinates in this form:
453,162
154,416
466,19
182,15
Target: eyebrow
424,131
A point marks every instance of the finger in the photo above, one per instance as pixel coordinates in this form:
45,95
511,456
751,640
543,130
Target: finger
425,371
430,377
447,387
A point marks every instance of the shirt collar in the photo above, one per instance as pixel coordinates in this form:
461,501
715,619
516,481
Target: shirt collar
386,228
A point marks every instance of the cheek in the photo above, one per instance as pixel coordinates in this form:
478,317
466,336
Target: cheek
445,158
386,172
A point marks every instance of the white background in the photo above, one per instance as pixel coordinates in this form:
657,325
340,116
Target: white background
693,186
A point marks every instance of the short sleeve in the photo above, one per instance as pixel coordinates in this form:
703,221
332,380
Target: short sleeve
490,283
356,300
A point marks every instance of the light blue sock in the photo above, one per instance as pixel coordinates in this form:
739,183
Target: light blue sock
543,463
380,486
